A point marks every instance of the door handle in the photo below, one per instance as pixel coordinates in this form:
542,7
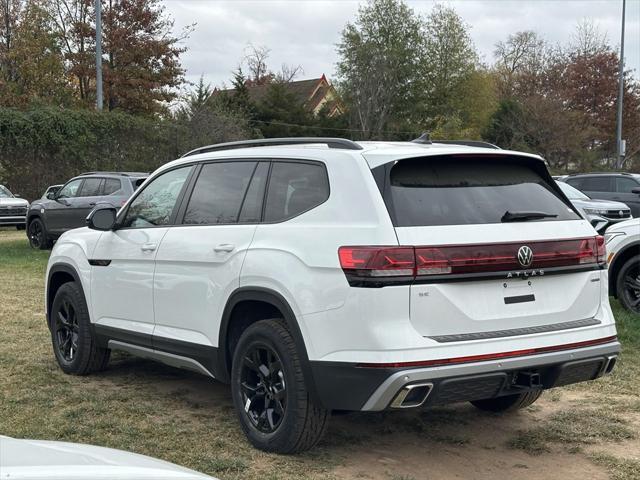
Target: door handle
92,204
148,247
224,247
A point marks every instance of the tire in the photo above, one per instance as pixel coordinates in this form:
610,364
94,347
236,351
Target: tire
267,372
37,234
508,403
74,345
628,284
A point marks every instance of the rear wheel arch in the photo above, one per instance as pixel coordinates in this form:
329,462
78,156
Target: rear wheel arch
619,260
248,305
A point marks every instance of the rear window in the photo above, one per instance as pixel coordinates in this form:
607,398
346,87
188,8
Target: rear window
455,191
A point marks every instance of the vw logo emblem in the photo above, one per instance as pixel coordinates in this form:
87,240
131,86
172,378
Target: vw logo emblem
525,256
621,213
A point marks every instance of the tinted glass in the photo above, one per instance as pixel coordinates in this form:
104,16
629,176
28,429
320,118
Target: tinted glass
295,188
252,207
111,186
625,185
70,189
597,184
571,192
218,193
90,187
453,191
156,202
4,193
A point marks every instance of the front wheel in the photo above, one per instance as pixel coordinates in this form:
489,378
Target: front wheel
508,403
270,394
628,284
74,344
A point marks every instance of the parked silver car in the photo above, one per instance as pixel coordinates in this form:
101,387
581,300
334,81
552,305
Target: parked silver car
13,209
600,213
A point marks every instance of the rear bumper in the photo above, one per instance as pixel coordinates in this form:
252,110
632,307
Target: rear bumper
343,386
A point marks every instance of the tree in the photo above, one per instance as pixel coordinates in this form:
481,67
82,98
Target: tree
450,58
143,67
520,64
31,62
73,20
380,65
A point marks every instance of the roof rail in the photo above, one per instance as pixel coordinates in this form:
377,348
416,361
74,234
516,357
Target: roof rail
600,173
122,174
469,143
340,143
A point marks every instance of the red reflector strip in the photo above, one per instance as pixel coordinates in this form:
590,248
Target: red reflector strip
490,356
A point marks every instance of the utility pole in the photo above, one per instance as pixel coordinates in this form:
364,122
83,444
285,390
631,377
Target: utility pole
99,55
619,144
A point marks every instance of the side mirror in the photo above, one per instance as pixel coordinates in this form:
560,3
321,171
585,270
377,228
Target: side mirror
102,218
51,195
636,190
17,195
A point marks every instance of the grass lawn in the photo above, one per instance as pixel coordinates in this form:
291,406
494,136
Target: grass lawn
583,431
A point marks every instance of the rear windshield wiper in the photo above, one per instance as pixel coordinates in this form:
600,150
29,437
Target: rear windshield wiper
524,216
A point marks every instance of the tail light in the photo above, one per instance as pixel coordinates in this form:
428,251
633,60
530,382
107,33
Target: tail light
601,249
378,261
375,264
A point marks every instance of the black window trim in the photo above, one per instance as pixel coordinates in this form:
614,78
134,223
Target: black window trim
179,220
122,214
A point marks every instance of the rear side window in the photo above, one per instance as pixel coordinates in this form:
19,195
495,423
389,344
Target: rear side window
597,184
218,193
111,186
456,191
295,188
90,187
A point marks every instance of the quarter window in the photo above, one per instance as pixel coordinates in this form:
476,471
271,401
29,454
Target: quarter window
70,189
218,193
155,204
295,188
626,185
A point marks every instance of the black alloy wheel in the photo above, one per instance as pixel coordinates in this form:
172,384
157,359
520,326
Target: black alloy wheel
66,330
37,234
263,388
629,284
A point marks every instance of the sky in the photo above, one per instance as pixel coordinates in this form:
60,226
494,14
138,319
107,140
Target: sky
305,32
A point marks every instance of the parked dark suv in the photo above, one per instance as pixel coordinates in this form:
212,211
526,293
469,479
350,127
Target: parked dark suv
621,187
48,218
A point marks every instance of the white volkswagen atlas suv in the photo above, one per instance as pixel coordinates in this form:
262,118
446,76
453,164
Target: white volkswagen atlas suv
318,274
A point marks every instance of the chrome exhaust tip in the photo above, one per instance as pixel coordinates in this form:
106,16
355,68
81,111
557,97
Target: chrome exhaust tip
611,362
411,396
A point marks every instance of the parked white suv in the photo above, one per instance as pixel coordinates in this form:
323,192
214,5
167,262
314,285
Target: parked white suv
623,245
322,274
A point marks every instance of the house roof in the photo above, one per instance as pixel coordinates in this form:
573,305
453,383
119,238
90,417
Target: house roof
310,92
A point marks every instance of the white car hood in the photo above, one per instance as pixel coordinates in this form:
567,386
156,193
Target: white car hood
45,460
13,202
